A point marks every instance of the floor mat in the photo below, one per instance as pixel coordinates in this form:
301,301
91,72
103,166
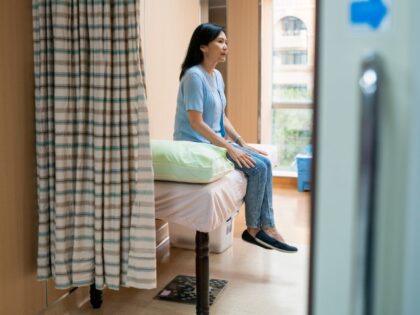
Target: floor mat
182,290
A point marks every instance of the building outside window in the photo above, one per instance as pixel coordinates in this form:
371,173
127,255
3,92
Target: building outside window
292,79
292,57
293,26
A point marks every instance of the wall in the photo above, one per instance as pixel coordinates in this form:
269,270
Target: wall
217,15
20,293
204,11
243,67
168,26
266,50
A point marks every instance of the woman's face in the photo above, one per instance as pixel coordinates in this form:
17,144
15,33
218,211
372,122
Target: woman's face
216,50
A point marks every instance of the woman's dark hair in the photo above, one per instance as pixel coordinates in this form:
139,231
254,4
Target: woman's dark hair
203,34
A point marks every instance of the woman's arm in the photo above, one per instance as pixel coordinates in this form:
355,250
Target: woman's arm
234,135
241,158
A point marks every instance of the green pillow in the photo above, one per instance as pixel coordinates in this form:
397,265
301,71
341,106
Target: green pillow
190,162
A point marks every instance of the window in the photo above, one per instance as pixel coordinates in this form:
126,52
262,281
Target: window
291,93
292,131
292,57
292,26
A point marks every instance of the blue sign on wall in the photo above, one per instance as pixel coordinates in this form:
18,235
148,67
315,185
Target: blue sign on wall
369,13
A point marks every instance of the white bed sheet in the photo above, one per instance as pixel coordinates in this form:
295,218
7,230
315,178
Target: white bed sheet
202,207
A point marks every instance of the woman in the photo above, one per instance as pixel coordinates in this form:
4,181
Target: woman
200,117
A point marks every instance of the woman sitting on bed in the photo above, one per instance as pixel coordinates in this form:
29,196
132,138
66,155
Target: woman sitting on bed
200,117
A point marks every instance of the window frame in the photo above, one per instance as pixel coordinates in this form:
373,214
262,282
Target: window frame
268,103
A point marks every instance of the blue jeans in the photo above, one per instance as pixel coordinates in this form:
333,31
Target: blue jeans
259,192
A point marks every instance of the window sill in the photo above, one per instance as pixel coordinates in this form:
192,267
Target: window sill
284,173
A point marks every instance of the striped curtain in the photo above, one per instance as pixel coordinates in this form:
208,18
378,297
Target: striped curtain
95,178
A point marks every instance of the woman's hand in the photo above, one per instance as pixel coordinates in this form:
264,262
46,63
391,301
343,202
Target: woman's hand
242,158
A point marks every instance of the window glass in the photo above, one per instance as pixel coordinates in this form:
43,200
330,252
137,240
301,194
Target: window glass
292,26
292,57
292,79
293,131
290,92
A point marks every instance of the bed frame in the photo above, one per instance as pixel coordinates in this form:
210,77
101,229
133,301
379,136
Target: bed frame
201,243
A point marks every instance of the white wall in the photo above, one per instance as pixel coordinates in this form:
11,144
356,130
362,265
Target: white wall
167,26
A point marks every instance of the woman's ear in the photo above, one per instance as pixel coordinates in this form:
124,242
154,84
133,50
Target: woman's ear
203,48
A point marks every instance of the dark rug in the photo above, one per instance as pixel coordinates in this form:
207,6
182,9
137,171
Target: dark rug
182,290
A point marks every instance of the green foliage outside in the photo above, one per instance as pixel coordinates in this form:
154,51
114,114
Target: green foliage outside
291,93
291,133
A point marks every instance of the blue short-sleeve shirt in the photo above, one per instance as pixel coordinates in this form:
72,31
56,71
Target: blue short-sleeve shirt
197,93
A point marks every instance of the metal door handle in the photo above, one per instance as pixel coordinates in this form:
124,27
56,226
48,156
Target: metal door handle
369,91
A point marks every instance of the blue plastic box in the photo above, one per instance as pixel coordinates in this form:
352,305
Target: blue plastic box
304,171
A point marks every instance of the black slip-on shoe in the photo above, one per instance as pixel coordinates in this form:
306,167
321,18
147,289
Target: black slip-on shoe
266,240
250,239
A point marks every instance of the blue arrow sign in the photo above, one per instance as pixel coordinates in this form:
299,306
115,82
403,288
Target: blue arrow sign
370,12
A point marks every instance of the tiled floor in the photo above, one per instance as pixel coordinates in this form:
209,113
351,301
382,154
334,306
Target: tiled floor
261,282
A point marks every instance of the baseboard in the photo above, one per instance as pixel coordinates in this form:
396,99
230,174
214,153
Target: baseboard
285,182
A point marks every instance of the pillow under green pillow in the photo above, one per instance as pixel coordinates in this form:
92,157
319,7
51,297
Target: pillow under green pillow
189,162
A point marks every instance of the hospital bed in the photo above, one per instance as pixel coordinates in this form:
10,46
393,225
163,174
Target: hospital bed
202,207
